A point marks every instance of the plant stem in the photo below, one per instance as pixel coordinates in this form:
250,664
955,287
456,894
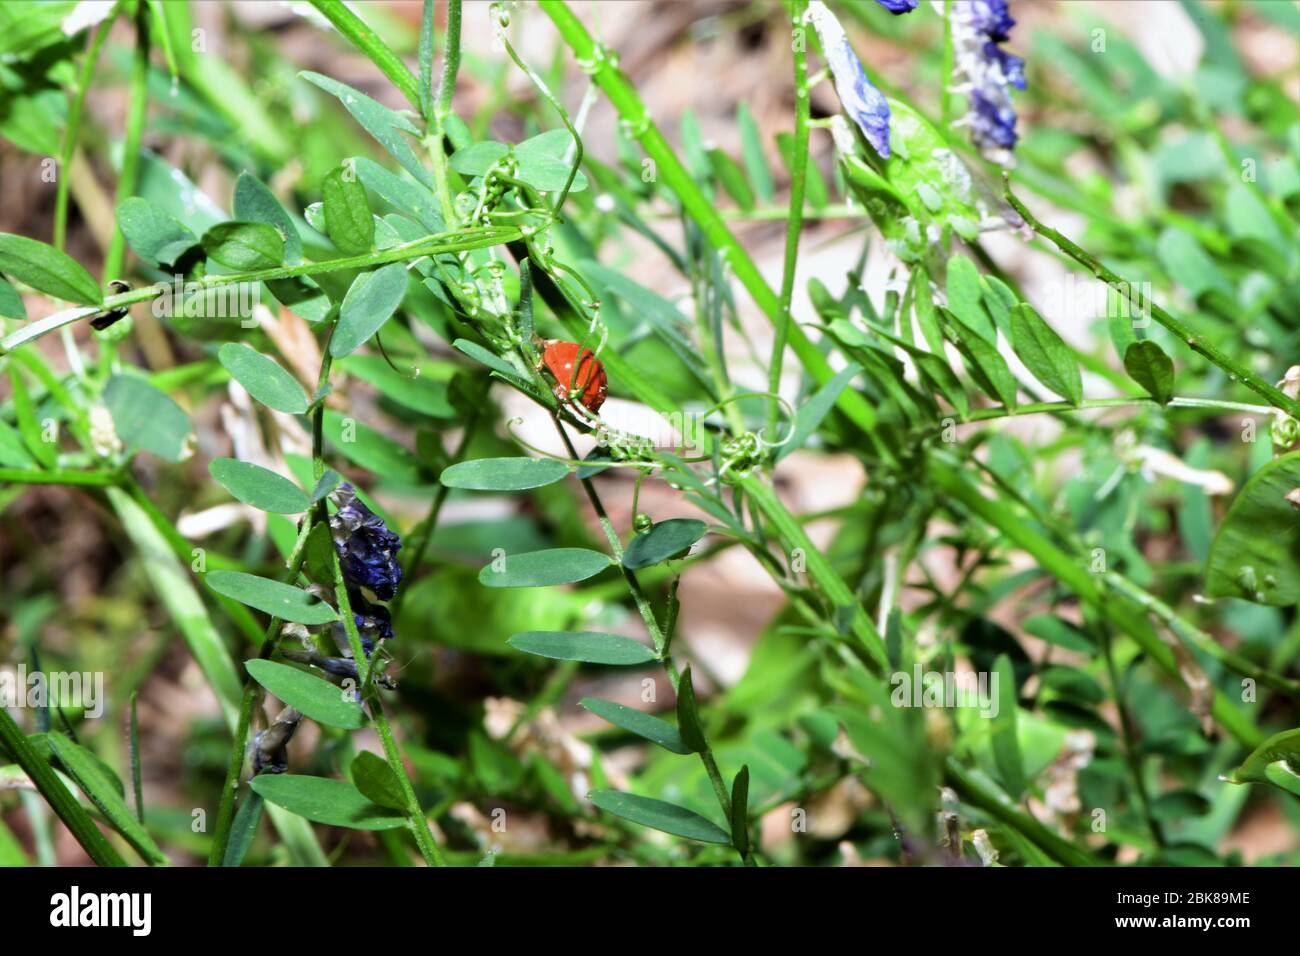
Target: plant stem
56,794
415,813
368,42
478,238
442,109
794,225
1197,343
69,145
131,145
26,476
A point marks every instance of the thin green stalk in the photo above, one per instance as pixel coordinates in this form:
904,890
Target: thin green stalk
442,108
658,634
73,127
1197,343
1194,637
452,241
636,118
60,799
131,145
414,812
364,38
1132,757
794,225
26,476
133,742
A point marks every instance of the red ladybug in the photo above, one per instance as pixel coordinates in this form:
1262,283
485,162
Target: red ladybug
560,358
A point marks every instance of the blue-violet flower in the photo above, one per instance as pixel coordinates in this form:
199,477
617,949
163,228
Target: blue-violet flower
367,548
862,101
987,72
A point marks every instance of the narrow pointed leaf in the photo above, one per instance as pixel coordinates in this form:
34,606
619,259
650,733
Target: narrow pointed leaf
637,722
263,378
370,302
504,474
316,697
659,815
47,270
272,597
688,715
590,647
667,539
322,800
1045,354
259,487
543,568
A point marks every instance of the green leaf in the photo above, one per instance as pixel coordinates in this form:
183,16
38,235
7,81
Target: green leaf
258,486
478,158
1256,551
146,418
634,721
985,365
999,300
591,647
254,202
667,539
320,700
348,220
104,791
327,483
740,810
542,162
732,178
13,453
11,303
965,299
272,597
1050,628
362,445
1045,354
175,588
1275,761
402,194
263,378
47,270
376,780
1006,745
245,246
379,121
504,474
814,411
420,392
1148,365
244,829
155,234
535,569
370,302
688,715
659,815
322,800
29,426
751,149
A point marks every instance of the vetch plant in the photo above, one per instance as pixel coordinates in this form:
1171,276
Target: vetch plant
445,437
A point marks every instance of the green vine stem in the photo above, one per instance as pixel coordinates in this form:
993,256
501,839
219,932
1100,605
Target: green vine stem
458,240
131,146
368,42
794,224
69,144
442,109
1197,343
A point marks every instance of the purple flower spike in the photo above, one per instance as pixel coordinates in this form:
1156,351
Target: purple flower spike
897,7
367,548
987,72
862,101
